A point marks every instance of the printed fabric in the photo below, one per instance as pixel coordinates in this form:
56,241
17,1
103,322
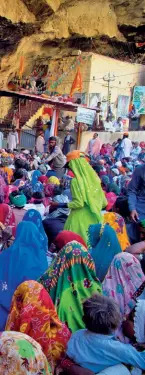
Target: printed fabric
35,217
118,224
7,217
21,355
32,312
124,282
104,245
70,280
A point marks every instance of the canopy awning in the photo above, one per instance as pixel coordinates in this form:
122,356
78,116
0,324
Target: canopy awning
58,104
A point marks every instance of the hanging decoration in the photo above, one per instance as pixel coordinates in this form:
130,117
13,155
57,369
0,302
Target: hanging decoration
77,61
43,72
77,83
21,69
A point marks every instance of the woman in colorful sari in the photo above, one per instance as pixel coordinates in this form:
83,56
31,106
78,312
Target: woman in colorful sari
88,198
24,260
65,237
70,280
30,304
118,224
34,217
21,355
7,217
36,174
104,245
124,282
2,189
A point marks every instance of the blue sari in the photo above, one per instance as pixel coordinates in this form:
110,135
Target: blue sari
35,176
34,217
24,260
103,246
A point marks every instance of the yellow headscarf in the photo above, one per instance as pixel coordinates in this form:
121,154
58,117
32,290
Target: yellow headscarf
53,180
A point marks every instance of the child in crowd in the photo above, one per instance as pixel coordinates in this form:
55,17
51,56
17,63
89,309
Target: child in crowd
96,348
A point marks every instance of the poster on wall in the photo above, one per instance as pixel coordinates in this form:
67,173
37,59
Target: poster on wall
123,106
94,99
104,107
139,99
85,115
82,96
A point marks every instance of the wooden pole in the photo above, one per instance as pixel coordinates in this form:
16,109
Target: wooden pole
79,136
56,122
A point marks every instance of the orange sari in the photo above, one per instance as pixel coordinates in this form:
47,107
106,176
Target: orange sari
33,313
118,224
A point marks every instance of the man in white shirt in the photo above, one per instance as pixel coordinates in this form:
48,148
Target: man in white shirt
108,125
118,125
126,146
40,142
12,140
1,139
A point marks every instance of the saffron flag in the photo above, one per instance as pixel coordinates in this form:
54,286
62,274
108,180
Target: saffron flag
21,66
77,83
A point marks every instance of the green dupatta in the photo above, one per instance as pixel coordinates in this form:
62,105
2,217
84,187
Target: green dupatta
70,280
86,188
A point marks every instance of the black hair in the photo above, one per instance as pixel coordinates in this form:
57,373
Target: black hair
101,314
58,190
15,193
19,163
121,206
27,191
38,197
78,101
19,173
53,139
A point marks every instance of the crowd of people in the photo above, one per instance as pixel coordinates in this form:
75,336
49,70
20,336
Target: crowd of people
72,274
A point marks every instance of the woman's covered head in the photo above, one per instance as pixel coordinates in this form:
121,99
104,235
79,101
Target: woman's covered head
101,314
18,174
53,180
65,237
18,199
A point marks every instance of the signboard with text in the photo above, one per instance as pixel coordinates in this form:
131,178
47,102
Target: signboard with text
139,99
87,116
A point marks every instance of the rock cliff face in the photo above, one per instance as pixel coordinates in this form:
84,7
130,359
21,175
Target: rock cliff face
40,29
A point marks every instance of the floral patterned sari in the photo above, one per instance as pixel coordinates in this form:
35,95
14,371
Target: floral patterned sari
21,355
70,280
32,312
118,224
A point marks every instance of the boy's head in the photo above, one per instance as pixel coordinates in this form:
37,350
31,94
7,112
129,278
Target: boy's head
101,314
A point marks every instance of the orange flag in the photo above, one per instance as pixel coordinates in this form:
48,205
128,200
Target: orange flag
77,83
21,66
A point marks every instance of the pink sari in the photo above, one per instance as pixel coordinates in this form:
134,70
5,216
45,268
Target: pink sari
124,282
7,217
94,148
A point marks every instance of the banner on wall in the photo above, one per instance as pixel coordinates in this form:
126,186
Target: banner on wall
87,116
123,106
94,99
82,96
139,99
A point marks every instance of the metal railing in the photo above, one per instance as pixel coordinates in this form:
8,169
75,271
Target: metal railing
27,138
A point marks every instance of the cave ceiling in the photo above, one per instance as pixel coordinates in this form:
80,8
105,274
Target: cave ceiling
42,29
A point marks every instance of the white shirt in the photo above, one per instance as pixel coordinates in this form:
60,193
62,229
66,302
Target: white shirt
38,207
109,126
126,146
118,126
40,144
12,140
1,139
